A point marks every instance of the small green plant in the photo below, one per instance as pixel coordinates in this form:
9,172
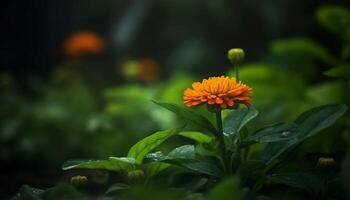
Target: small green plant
255,159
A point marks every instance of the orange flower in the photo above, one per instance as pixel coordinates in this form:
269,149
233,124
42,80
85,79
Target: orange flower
82,43
223,91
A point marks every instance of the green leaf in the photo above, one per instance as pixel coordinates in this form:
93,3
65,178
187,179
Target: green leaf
153,168
190,116
302,48
275,133
172,90
198,166
227,189
310,123
146,145
185,152
334,18
272,84
302,180
236,119
185,156
116,188
316,119
319,94
208,149
29,193
341,72
112,164
62,191
197,136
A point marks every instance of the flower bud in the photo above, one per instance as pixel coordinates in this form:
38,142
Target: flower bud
130,69
236,56
326,162
136,174
79,181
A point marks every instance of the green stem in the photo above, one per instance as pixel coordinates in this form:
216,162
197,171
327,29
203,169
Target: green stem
220,137
220,134
236,67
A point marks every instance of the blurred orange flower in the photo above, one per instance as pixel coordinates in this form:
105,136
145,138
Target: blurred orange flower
149,70
84,42
222,91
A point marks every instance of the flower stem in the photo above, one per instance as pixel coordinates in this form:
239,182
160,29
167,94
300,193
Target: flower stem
220,137
236,67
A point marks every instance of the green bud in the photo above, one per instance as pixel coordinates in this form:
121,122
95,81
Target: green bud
79,181
136,174
131,69
236,56
326,162
136,177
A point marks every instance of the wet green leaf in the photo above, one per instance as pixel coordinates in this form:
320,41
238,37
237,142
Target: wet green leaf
275,133
112,164
185,152
316,119
310,123
198,166
146,145
236,119
185,156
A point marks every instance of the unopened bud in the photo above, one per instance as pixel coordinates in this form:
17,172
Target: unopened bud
136,174
236,56
79,181
325,162
130,69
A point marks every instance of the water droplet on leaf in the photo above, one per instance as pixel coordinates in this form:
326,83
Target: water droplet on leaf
285,134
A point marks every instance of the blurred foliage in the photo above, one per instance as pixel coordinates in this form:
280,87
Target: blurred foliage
84,111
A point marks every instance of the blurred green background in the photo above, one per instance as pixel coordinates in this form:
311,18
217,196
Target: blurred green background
77,77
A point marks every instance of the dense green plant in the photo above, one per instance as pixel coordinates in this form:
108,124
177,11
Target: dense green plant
255,161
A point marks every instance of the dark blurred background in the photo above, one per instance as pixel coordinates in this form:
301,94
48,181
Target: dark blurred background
33,31
77,76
